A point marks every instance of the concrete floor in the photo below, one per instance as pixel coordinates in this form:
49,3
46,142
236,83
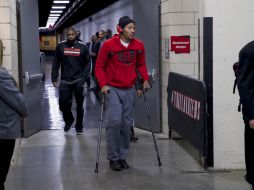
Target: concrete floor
53,160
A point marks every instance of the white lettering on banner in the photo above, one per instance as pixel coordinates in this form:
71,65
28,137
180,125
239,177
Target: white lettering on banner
186,105
180,43
181,47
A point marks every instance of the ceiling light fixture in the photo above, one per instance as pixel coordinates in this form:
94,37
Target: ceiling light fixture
61,2
58,7
54,14
56,11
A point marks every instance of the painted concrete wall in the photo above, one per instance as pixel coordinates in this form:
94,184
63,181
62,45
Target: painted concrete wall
8,34
232,30
178,17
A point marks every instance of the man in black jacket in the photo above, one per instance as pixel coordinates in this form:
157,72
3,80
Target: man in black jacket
74,59
246,92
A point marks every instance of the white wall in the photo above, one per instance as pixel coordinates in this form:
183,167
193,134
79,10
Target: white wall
8,34
178,17
105,19
232,30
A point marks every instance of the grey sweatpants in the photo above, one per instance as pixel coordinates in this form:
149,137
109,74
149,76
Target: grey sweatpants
119,117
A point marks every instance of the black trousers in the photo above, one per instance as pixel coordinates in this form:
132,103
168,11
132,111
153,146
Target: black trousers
88,82
249,153
5,159
66,92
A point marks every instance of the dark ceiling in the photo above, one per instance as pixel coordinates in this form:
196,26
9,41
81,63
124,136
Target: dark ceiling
87,9
44,8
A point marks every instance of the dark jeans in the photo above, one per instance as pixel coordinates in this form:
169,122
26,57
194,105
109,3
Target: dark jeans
8,146
66,92
249,153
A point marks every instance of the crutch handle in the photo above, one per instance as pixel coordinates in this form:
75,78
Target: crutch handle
106,92
150,84
146,89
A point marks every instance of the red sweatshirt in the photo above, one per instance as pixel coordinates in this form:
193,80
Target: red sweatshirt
116,65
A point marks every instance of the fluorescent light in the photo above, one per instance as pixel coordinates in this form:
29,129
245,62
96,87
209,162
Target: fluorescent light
54,14
56,11
58,7
52,19
61,1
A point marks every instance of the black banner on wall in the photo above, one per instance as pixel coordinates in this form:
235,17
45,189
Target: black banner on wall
186,109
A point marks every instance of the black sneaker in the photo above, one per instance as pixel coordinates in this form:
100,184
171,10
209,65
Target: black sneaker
124,164
115,165
134,139
67,128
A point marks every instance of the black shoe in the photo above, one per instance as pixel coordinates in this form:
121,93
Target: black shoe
67,128
115,165
124,164
134,139
79,132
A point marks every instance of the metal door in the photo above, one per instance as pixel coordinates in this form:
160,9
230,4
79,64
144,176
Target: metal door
29,63
147,18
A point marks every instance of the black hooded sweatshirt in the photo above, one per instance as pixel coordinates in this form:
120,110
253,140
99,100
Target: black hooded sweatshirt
74,60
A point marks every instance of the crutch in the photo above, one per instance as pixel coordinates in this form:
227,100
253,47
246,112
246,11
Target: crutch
99,136
151,127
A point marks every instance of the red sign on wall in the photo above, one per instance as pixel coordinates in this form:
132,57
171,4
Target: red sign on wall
180,44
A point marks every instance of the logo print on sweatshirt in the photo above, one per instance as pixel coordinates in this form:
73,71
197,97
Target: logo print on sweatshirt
126,57
72,51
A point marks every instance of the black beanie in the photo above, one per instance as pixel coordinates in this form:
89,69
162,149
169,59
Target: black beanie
124,21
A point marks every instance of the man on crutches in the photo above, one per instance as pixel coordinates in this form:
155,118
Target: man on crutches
115,69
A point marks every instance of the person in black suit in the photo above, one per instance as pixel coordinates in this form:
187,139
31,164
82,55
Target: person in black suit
93,53
101,38
88,80
246,91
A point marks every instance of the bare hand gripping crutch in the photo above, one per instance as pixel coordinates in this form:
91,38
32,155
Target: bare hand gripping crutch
151,127
100,129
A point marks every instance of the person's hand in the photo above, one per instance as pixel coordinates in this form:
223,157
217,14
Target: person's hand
139,93
105,89
251,122
55,84
146,85
93,54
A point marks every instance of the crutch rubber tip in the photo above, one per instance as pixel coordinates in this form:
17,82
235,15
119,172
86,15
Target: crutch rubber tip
159,160
96,168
